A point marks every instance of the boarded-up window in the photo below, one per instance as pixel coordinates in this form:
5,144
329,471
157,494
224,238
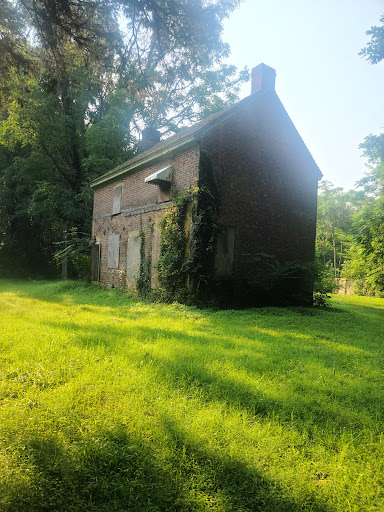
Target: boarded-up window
113,251
117,200
95,258
133,258
164,191
224,252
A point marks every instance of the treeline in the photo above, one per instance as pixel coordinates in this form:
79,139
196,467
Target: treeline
350,225
79,80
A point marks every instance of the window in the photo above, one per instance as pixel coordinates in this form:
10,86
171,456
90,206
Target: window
113,251
117,200
133,258
225,252
164,192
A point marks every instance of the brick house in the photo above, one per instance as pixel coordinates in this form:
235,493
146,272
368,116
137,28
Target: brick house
267,182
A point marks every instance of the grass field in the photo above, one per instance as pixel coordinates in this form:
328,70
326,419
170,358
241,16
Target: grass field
111,404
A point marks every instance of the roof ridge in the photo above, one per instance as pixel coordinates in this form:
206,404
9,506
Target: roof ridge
185,136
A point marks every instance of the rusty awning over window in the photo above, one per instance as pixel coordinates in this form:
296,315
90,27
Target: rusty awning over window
160,176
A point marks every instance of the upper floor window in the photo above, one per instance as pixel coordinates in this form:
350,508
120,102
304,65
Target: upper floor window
117,200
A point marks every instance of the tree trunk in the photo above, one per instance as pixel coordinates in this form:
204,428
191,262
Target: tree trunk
334,249
64,269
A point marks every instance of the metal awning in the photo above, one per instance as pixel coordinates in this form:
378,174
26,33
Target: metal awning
160,176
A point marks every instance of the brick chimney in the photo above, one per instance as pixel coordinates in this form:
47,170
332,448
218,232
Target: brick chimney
149,137
263,78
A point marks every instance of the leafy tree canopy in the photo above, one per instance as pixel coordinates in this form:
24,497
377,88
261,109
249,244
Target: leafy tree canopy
80,79
166,55
365,259
335,221
374,51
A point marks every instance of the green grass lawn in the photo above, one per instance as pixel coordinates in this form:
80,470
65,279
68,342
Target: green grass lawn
112,404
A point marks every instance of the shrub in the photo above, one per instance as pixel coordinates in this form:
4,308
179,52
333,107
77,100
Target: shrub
325,284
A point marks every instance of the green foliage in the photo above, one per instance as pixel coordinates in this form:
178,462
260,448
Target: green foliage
75,96
108,142
144,279
350,235
335,220
75,251
365,261
359,271
374,51
199,262
112,404
172,268
325,283
188,243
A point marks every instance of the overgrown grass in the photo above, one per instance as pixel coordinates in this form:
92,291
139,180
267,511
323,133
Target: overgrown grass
111,404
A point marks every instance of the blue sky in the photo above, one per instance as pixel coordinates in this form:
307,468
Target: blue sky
333,96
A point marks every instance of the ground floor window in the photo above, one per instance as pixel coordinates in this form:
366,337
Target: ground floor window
225,251
113,251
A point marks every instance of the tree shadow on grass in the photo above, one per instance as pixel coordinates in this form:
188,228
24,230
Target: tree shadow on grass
305,410
332,323
108,472
198,363
229,483
112,471
58,292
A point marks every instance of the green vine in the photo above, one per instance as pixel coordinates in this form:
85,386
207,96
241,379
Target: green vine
186,259
144,279
172,268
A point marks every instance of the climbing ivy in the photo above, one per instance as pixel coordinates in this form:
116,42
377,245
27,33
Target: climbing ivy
144,279
187,256
172,266
186,259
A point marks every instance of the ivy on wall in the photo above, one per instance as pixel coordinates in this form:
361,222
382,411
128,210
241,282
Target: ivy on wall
172,265
186,261
186,266
144,279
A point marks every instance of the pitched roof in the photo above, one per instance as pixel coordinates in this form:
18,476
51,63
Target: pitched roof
186,137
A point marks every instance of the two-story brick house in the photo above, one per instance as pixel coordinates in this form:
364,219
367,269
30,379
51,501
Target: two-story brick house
268,194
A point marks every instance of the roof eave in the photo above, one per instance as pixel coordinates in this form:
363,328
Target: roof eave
126,169
163,152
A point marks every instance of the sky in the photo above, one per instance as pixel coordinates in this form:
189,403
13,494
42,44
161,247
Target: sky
333,96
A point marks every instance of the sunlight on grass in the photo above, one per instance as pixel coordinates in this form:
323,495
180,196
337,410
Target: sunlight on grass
108,404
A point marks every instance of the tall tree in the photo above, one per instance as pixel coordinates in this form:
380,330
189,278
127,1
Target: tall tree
374,51
162,53
365,262
366,256
82,78
335,217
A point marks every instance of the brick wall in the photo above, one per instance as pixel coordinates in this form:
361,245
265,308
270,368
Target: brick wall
140,209
268,187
